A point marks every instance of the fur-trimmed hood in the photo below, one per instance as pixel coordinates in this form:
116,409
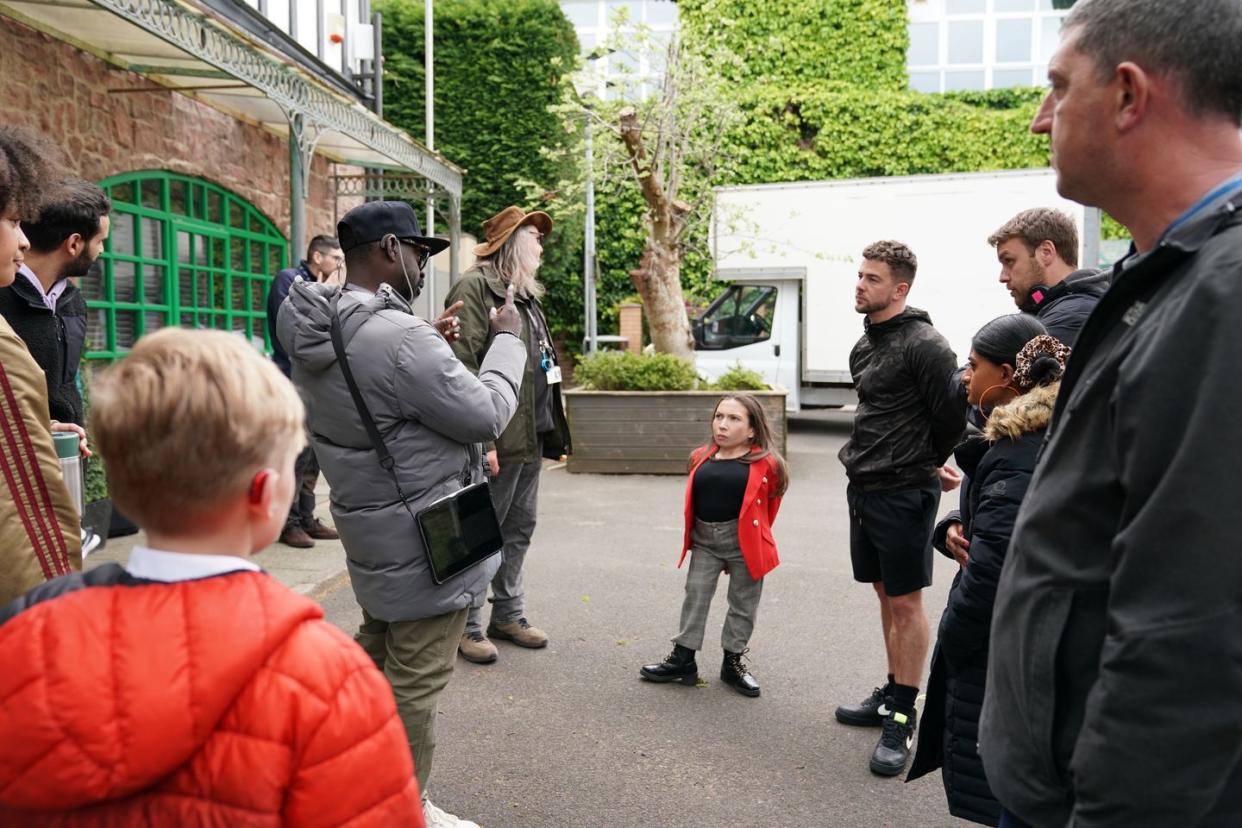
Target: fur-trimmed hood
1028,413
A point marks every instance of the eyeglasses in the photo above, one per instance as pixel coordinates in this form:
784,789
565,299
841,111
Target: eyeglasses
423,253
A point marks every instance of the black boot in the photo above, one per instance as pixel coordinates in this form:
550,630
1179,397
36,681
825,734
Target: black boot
734,673
679,666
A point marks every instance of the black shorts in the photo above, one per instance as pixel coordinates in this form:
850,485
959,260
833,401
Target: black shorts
891,534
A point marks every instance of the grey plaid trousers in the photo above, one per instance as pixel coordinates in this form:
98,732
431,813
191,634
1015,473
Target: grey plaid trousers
713,548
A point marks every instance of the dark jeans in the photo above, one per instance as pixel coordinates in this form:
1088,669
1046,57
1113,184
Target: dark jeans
306,475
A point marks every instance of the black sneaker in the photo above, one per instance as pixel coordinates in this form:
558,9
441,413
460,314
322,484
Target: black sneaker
893,750
866,713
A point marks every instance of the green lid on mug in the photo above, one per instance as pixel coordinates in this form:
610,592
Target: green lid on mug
66,444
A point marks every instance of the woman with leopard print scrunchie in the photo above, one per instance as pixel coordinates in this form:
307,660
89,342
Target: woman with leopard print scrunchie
1012,378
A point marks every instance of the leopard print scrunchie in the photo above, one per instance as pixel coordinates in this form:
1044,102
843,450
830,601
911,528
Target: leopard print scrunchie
1038,347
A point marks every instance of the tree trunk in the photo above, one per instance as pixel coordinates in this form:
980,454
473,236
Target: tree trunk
658,281
658,276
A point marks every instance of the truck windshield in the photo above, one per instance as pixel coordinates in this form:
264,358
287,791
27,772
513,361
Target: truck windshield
740,316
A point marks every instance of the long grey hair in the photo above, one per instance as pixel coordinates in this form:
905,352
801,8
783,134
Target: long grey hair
517,261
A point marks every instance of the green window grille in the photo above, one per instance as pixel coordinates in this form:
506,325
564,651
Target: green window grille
182,251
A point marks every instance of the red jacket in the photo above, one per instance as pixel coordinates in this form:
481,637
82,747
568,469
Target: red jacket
221,701
754,524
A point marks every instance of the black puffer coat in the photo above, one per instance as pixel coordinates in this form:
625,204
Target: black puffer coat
56,341
999,464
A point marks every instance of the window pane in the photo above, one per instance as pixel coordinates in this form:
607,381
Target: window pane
1004,78
1013,41
661,11
273,259
581,12
1050,37
121,237
633,10
92,283
153,285
152,238
1014,5
586,41
153,320
956,81
126,329
151,194
123,281
924,44
965,6
925,81
96,329
215,207
179,197
123,193
966,42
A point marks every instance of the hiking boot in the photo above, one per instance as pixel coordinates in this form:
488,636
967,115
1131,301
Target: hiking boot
319,531
679,666
734,673
475,648
893,750
437,818
866,713
296,537
520,633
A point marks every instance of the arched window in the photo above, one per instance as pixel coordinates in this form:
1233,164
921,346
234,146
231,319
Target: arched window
182,251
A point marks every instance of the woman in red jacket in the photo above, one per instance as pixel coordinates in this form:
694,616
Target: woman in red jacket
734,491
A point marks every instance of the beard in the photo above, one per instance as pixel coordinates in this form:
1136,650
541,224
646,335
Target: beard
874,306
1023,300
79,267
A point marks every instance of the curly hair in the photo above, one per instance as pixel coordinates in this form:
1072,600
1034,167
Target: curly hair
899,258
30,167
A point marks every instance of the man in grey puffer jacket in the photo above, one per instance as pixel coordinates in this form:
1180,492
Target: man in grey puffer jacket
432,413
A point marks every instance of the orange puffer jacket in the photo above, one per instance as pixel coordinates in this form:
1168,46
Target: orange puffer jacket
224,701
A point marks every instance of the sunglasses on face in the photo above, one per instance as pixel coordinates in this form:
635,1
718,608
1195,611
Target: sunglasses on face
423,253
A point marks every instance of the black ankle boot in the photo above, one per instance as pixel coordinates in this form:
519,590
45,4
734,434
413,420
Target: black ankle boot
734,673
679,666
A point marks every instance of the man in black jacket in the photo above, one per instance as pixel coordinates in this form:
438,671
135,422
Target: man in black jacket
324,262
905,427
43,304
1114,690
1038,253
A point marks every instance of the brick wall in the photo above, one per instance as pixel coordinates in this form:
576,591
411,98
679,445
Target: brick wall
71,96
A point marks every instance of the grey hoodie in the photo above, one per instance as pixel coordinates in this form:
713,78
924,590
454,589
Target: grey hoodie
430,410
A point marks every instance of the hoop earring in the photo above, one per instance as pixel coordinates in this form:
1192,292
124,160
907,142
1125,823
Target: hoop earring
983,398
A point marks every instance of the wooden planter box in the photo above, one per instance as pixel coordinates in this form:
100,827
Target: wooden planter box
649,432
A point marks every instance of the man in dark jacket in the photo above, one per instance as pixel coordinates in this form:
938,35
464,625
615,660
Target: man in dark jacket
905,427
1114,690
44,305
510,255
323,262
1038,254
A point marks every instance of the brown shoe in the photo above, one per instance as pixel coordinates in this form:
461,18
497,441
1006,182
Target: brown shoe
296,537
319,531
520,633
475,648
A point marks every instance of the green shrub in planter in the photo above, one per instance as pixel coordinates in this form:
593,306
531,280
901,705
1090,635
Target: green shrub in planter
738,378
623,371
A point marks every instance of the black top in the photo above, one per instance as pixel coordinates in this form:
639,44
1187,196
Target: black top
719,486
56,341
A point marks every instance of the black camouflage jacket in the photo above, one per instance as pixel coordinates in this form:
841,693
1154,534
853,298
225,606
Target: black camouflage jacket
907,422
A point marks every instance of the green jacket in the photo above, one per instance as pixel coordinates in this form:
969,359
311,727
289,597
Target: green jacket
482,289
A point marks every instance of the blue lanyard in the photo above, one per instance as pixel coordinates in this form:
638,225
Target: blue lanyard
1227,187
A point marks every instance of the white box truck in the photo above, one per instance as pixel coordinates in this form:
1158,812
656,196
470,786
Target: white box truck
791,253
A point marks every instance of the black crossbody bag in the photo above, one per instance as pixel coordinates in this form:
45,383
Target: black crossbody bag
460,530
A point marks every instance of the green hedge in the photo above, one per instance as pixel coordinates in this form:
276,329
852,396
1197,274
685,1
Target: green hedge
623,371
862,42
498,67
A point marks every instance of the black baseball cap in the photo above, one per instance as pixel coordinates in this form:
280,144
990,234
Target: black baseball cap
373,220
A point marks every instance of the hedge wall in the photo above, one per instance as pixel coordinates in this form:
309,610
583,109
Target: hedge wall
498,67
862,42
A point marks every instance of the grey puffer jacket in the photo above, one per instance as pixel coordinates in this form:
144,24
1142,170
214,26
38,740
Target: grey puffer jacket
430,410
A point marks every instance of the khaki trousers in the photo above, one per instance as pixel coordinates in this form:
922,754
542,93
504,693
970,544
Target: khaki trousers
417,658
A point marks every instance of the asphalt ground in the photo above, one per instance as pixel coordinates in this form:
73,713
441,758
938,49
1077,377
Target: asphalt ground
569,736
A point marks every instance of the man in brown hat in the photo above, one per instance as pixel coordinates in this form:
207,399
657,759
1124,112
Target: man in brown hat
510,255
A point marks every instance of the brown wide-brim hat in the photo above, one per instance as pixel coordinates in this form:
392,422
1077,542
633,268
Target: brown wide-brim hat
498,228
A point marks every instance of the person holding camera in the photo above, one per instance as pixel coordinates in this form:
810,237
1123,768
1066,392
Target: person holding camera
433,413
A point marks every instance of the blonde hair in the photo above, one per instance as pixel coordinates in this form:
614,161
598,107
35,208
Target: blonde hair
186,421
517,261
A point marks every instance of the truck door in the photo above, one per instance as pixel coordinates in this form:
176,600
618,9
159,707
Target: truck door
755,325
